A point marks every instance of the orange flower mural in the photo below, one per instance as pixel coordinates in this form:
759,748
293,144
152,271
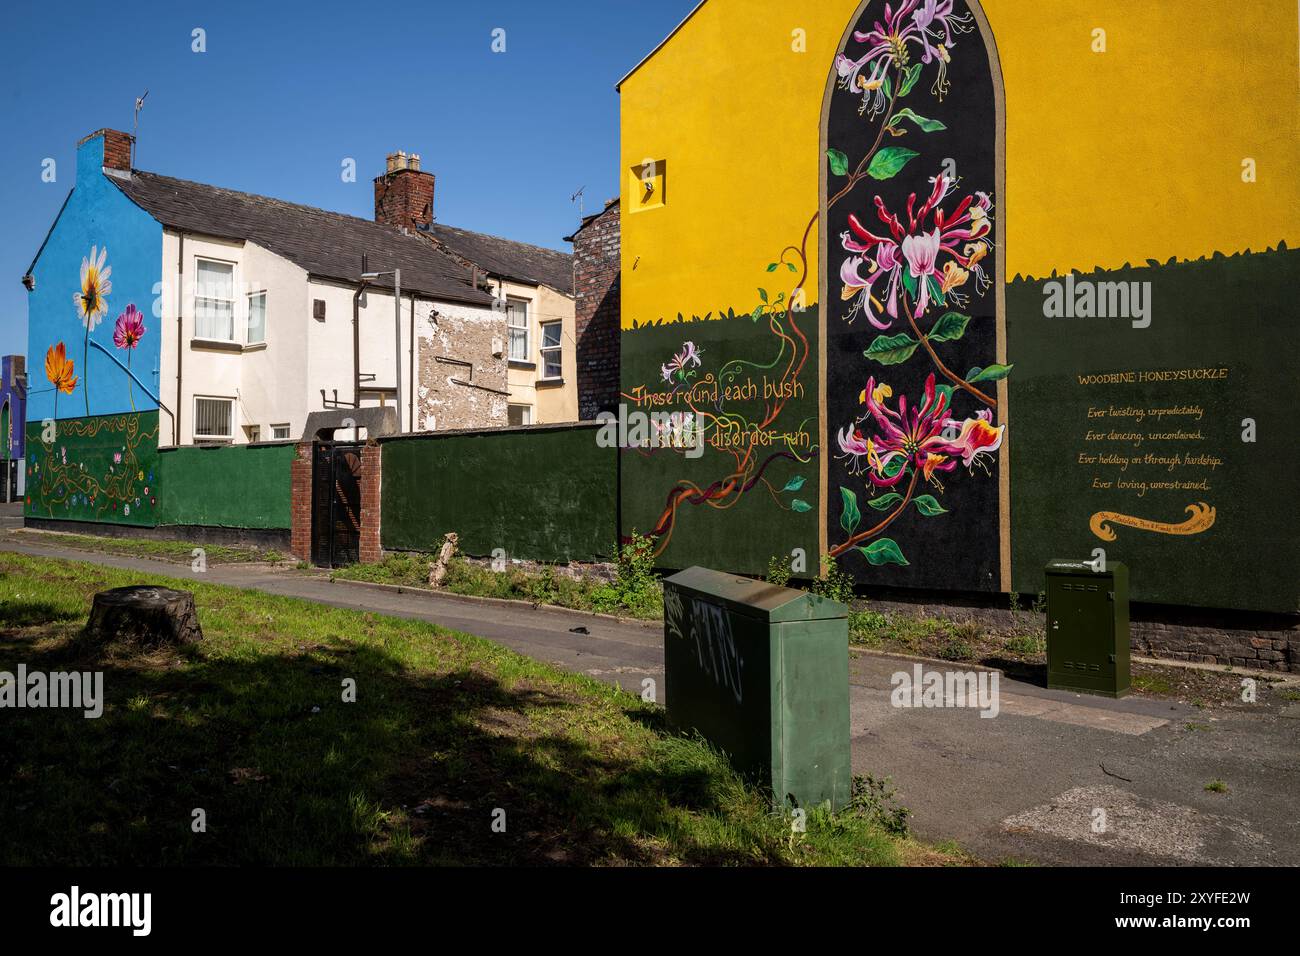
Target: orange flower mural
59,370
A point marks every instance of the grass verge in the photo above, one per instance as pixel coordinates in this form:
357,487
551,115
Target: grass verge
178,551
446,730
635,592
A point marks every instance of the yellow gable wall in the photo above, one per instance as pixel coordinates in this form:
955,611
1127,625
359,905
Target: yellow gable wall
1127,155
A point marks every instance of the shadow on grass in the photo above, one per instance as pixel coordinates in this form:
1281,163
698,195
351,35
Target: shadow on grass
21,613
283,771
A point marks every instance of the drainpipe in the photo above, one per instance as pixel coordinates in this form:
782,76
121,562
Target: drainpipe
356,343
411,416
180,336
397,331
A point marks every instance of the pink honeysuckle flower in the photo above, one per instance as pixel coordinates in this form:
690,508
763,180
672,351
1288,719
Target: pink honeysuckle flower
679,367
927,24
978,437
921,253
916,436
926,243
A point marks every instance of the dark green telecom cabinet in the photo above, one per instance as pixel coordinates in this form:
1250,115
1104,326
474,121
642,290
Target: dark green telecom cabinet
762,672
1087,628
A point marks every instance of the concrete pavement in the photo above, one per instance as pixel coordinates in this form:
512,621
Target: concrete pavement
1053,778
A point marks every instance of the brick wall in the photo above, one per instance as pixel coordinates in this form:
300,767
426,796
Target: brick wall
117,148
371,482
597,307
404,198
300,504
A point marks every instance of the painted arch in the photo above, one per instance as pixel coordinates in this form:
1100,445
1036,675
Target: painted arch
914,387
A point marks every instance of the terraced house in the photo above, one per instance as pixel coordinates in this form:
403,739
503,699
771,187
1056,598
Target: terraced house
226,317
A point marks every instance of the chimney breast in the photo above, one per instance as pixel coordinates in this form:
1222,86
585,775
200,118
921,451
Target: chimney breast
117,148
404,194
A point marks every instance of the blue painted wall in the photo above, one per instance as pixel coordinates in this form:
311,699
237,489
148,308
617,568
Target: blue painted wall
97,216
13,399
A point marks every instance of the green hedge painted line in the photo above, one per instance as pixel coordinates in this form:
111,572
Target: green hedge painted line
541,494
226,486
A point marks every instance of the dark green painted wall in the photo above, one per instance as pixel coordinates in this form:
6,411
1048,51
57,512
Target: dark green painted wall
542,494
101,468
226,486
1080,448
719,520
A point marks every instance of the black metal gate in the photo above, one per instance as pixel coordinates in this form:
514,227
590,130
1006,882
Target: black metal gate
336,505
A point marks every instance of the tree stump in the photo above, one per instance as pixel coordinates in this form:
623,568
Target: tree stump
145,615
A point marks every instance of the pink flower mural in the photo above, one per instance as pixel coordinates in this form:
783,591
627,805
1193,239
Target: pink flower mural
126,335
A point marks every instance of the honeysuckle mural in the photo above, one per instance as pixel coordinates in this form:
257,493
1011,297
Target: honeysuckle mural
910,261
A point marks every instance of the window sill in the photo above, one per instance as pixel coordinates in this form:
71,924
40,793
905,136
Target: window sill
520,363
549,383
216,345
255,347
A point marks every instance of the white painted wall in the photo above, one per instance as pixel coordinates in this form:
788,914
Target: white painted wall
281,381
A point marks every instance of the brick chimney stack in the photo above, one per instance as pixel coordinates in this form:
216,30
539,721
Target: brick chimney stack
117,148
404,194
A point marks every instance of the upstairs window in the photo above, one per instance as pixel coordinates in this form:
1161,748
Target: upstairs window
517,320
280,431
552,352
257,318
214,300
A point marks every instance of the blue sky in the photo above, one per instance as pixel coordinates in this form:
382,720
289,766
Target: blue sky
287,90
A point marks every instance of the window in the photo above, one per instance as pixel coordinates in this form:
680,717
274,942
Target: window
213,418
517,320
520,414
214,301
253,432
256,318
552,356
279,432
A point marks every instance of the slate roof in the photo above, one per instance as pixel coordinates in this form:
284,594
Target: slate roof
518,261
326,244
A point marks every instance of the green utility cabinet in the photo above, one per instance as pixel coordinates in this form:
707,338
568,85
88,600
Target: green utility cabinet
1087,628
762,672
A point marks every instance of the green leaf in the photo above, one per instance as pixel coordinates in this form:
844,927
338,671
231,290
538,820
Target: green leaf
799,505
794,484
772,267
790,266
887,87
929,506
944,390
885,502
990,374
850,516
883,551
891,349
839,162
936,291
909,283
889,161
910,76
762,294
925,124
894,466
756,314
949,328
